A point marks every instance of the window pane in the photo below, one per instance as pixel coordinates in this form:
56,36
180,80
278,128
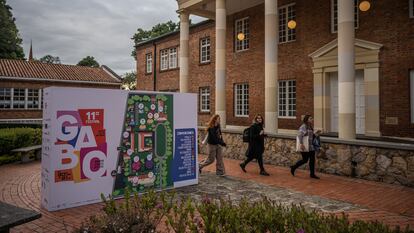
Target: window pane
5,98
18,98
33,98
164,59
205,99
242,26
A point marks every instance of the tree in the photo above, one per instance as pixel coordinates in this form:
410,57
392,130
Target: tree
50,59
158,30
129,80
10,41
88,61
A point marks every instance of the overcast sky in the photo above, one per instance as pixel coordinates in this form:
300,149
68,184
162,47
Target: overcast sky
74,29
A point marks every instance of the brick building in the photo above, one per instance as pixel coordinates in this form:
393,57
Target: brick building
21,84
352,69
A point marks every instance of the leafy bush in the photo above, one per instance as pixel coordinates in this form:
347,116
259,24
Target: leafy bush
12,138
145,214
137,214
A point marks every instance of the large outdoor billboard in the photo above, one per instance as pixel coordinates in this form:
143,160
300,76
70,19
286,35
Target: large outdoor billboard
98,141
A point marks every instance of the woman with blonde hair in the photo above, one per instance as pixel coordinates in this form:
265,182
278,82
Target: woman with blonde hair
255,149
214,146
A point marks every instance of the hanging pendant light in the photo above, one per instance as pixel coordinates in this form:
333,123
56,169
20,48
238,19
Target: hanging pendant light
241,36
364,6
292,24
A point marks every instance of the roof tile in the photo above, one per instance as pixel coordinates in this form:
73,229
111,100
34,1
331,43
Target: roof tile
39,70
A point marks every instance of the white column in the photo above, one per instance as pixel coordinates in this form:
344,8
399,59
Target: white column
221,60
346,70
184,44
271,59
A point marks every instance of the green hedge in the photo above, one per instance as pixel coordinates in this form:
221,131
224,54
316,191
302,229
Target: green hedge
13,138
151,212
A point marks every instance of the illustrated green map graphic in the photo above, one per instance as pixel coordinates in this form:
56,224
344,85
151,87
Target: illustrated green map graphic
146,148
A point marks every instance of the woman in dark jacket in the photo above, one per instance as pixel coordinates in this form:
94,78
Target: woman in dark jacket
256,145
214,145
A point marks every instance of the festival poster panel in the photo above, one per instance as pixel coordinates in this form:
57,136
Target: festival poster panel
145,154
101,142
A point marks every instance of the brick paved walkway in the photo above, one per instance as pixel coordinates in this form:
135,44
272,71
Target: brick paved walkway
393,205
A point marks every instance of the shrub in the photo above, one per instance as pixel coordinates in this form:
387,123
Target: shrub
12,138
145,213
137,214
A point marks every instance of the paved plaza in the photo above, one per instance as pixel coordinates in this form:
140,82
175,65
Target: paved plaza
390,204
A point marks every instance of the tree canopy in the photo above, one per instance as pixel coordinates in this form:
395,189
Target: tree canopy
50,59
88,61
158,30
129,80
10,41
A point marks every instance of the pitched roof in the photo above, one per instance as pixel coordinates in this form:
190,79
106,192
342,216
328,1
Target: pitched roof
16,69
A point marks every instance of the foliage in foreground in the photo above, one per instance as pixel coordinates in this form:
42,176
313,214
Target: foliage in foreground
163,212
13,138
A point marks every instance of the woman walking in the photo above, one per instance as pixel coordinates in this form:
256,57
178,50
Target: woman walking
306,129
214,146
256,145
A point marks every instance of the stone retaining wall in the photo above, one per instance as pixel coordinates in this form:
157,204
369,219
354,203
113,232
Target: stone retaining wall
389,165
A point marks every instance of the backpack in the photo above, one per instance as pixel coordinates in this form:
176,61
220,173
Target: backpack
246,135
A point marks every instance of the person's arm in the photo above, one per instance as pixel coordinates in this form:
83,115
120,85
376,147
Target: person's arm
301,133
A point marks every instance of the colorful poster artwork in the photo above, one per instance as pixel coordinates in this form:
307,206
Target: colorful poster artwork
81,145
146,149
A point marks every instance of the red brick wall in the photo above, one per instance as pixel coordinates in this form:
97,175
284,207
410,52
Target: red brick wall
387,23
37,114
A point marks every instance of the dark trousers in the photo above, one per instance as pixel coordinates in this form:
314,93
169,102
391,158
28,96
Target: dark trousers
259,160
305,157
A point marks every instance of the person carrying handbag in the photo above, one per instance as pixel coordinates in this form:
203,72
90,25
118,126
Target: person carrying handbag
214,146
305,144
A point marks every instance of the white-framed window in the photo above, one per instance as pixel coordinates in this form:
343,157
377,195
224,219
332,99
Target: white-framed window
173,58
5,98
33,98
148,63
164,59
241,100
242,26
287,99
412,95
19,98
204,99
334,15
286,13
411,8
205,50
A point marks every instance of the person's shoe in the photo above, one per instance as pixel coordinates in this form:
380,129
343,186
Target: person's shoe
264,173
314,177
292,170
221,174
243,167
